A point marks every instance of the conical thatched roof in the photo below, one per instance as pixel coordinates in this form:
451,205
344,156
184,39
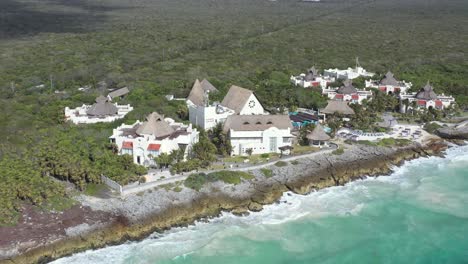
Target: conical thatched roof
102,107
318,134
389,79
340,107
347,88
312,73
197,94
427,93
155,125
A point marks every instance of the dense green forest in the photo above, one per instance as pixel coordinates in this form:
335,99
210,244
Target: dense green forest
158,47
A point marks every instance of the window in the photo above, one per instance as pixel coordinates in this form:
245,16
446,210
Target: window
286,140
153,153
127,151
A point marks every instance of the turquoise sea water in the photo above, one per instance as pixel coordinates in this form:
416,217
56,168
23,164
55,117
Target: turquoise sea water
419,214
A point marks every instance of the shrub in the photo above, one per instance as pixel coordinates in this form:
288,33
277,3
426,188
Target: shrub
265,155
177,189
294,162
281,164
338,151
232,177
431,127
267,172
197,180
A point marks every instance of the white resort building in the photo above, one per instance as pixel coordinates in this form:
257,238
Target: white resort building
260,133
103,110
201,112
312,79
425,99
238,101
243,102
390,85
146,140
350,73
347,93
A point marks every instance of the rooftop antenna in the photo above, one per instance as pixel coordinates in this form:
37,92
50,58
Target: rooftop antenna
357,63
206,99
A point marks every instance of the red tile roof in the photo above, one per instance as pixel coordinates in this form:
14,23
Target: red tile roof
421,102
127,145
339,96
355,97
154,147
438,103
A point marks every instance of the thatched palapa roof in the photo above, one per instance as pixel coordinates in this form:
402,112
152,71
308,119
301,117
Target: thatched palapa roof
236,98
119,92
427,93
197,94
338,107
102,108
389,79
318,134
156,126
312,73
347,88
256,122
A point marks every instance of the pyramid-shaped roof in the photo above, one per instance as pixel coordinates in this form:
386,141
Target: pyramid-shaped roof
389,79
427,93
197,94
318,134
102,107
347,88
312,73
236,98
156,126
340,107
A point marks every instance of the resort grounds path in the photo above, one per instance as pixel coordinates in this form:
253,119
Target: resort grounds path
181,177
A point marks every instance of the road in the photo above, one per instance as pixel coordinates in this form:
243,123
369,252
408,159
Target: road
146,186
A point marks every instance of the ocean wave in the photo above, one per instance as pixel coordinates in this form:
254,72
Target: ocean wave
417,182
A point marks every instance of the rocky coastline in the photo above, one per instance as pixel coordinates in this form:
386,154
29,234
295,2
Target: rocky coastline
137,216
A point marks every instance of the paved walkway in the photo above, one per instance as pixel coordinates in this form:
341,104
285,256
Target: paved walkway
145,186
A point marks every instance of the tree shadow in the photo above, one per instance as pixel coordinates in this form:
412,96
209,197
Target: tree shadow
20,20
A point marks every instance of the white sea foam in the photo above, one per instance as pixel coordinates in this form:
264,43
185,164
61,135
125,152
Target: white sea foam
342,201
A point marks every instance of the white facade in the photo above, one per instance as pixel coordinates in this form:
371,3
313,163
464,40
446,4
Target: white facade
260,133
143,148
402,88
266,141
252,106
442,101
355,98
350,73
318,81
208,117
79,115
238,101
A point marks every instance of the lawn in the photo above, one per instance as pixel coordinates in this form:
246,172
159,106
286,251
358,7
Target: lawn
298,149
